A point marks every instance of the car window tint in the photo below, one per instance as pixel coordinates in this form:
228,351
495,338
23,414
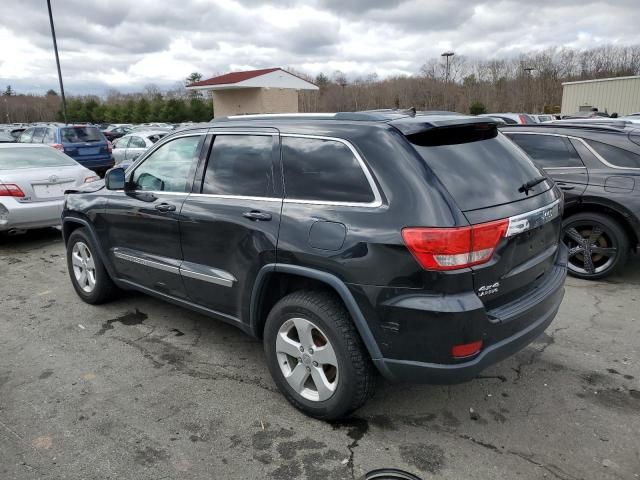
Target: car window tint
49,136
137,142
38,135
169,168
615,155
240,165
25,137
324,170
548,150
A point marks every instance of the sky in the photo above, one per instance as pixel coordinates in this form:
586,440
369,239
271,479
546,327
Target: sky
128,44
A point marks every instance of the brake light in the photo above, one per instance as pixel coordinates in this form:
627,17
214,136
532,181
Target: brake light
454,248
109,146
466,349
10,190
523,119
58,146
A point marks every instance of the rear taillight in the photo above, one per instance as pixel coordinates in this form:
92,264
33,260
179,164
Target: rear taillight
523,119
453,248
109,146
10,190
58,146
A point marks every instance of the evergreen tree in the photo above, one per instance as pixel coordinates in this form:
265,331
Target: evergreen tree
142,110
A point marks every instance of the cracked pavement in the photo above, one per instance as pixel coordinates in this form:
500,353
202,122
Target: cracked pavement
140,389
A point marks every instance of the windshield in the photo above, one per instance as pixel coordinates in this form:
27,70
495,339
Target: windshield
81,134
480,173
33,157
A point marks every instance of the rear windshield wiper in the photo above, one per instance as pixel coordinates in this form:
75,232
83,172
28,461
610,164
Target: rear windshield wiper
525,187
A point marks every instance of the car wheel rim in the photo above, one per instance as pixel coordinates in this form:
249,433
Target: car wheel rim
84,268
307,359
592,249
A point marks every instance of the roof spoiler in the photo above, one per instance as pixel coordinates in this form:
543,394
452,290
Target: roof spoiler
422,124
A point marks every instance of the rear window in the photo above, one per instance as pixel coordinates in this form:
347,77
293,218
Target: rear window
80,134
616,156
479,167
32,157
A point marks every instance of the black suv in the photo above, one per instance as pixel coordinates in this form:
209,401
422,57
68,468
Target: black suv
598,168
422,247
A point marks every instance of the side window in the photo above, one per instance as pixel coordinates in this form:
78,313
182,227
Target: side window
548,150
323,170
121,142
38,135
27,135
137,142
240,165
169,168
615,155
49,136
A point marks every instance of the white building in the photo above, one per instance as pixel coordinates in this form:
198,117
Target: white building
620,95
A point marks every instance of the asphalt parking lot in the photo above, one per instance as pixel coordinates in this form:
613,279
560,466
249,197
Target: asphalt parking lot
139,389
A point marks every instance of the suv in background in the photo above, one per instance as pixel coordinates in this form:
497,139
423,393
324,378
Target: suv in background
598,169
425,248
85,144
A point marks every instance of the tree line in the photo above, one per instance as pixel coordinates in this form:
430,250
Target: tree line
527,83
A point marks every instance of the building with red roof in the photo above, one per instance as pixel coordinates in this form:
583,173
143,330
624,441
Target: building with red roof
269,90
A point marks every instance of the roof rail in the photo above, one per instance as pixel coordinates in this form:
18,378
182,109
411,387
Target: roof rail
568,124
372,115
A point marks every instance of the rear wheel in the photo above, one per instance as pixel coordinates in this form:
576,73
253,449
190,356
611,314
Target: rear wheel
88,275
315,355
598,245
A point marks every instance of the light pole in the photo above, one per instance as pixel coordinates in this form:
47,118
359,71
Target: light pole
446,73
55,49
528,71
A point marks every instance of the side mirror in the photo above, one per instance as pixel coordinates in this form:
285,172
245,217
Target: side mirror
114,179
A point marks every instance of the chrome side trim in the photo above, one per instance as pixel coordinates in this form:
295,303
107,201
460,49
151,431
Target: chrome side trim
236,197
377,198
564,168
215,276
581,140
146,262
533,219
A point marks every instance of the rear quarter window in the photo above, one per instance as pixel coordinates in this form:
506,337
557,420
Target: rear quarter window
323,170
616,156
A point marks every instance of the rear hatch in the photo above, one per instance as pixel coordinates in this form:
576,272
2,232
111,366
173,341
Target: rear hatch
83,142
490,179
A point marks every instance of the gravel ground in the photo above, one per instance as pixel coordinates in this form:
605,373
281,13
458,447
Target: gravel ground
139,389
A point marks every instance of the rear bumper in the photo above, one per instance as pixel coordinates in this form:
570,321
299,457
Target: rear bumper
504,331
25,216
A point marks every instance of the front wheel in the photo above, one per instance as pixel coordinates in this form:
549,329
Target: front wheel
316,356
597,244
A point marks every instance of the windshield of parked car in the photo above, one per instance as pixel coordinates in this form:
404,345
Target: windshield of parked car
33,157
81,134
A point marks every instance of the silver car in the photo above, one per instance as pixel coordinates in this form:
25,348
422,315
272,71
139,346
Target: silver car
33,179
126,149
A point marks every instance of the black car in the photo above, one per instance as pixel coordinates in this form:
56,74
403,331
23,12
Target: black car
598,169
421,247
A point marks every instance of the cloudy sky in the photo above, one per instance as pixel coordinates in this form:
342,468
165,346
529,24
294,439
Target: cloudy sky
127,44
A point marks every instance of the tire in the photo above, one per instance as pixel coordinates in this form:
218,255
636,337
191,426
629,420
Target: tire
597,237
97,287
348,385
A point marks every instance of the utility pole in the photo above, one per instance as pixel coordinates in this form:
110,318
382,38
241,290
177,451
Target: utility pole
446,75
55,49
527,100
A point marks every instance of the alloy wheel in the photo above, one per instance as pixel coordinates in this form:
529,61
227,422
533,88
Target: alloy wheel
592,249
84,268
307,359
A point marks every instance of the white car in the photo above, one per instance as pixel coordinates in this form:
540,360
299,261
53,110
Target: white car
33,179
128,148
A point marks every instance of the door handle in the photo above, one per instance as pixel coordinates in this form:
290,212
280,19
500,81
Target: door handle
166,207
564,186
257,215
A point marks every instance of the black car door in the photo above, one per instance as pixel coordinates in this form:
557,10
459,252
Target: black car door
229,225
558,157
142,222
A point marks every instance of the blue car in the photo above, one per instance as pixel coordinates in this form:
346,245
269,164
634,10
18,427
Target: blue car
84,143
